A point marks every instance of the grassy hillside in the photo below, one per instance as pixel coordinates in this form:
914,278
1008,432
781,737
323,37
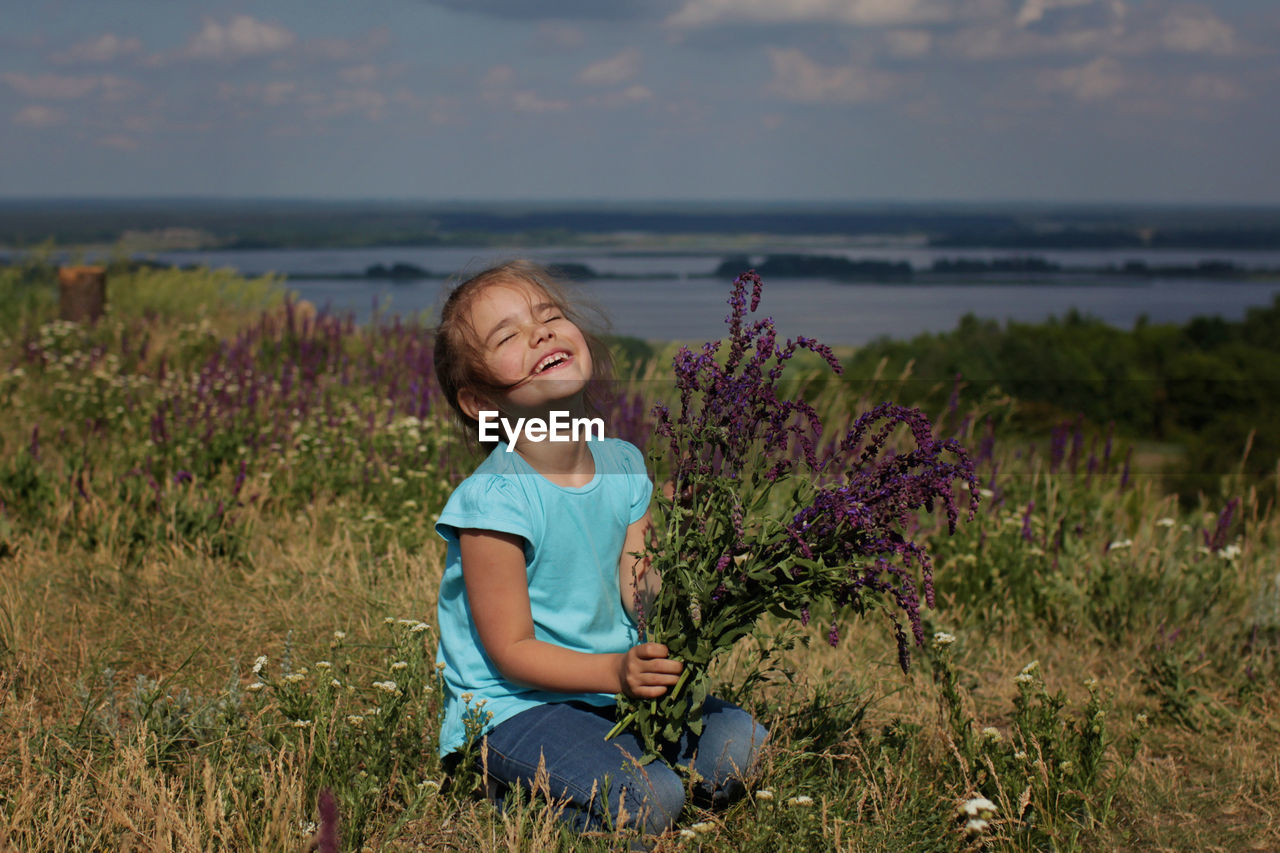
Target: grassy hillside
217,582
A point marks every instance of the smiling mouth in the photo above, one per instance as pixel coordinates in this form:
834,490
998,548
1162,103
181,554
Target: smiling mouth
551,362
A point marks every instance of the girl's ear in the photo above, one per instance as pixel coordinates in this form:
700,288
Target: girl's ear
472,403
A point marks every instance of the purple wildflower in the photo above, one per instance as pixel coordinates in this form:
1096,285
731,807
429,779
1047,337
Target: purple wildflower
1216,541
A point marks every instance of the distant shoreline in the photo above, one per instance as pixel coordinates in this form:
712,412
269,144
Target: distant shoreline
223,224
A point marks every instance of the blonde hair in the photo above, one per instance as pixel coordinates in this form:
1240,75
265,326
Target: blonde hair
459,358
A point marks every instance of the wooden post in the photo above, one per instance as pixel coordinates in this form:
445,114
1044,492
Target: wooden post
82,293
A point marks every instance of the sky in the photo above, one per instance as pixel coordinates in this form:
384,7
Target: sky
845,101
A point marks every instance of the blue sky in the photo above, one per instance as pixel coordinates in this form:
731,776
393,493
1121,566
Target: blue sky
833,100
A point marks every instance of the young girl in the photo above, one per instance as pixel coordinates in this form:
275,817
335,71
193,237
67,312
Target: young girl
536,607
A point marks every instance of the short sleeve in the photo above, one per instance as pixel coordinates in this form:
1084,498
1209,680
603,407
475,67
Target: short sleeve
640,487
485,502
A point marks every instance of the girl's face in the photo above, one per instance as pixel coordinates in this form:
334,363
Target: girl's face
530,347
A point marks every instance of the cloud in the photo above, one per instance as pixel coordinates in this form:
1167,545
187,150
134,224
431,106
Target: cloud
496,89
559,10
1214,87
363,74
909,43
613,71
273,94
118,141
242,36
39,115
105,48
798,78
1196,31
1099,80
701,13
61,87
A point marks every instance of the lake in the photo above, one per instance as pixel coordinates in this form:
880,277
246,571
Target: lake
667,295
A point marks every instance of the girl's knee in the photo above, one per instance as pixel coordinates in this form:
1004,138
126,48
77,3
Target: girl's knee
653,799
734,741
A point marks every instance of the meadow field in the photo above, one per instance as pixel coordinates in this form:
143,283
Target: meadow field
217,593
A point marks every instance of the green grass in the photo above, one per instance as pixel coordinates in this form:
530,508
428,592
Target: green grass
146,565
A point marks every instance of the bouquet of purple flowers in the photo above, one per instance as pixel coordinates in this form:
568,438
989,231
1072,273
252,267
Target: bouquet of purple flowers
764,516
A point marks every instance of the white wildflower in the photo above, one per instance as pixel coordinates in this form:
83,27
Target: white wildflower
429,783
389,620
992,734
688,833
1023,678
1031,668
301,724
978,807
255,687
801,800
1142,720
1020,755
387,687
399,665
466,698
1091,683
339,635
976,826
703,827
942,639
1230,552
293,677
355,719
1165,522
323,664
259,664
1120,544
764,794
1066,766
419,628
986,493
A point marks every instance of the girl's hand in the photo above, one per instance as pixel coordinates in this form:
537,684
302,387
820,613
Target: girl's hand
646,672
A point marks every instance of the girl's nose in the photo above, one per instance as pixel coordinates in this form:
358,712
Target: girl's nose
541,332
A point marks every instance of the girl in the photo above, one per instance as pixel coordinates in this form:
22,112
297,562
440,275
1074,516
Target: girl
536,606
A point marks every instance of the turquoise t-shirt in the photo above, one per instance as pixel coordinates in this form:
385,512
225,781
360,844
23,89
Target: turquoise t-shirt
573,539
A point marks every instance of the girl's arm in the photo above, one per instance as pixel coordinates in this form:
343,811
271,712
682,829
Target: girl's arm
636,576
493,569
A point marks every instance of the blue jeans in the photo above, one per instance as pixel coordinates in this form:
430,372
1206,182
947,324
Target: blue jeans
597,779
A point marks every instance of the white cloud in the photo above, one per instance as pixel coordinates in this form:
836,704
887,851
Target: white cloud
39,115
1196,31
532,102
613,71
1033,11
1214,87
64,87
699,13
798,78
909,43
630,96
105,48
498,75
240,37
1101,79
359,74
